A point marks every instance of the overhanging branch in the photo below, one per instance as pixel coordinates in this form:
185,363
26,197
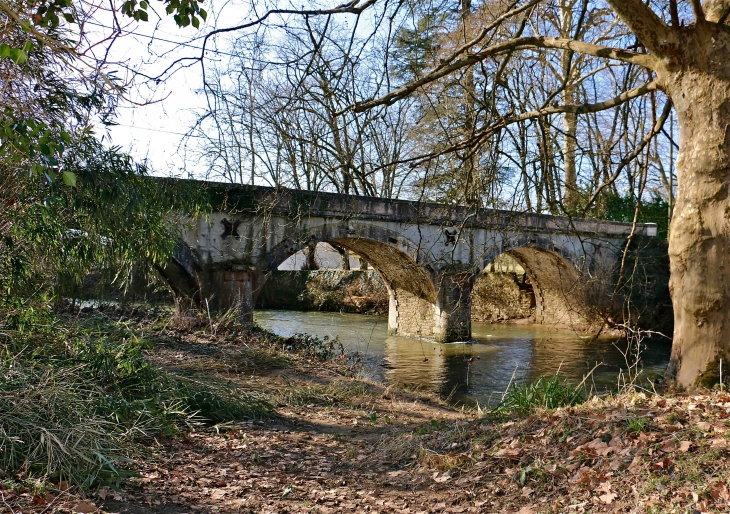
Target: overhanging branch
486,132
523,43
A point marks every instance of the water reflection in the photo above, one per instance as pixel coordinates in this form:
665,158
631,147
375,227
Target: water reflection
474,372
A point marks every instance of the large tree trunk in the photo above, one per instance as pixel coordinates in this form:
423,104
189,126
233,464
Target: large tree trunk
699,246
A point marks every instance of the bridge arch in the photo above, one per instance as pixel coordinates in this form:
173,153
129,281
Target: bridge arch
560,296
252,229
413,301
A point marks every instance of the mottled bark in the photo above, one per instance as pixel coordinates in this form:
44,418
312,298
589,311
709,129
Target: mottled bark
697,78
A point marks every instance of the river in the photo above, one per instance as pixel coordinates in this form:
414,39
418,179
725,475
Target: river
469,373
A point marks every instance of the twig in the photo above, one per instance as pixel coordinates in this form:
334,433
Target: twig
510,381
54,499
2,495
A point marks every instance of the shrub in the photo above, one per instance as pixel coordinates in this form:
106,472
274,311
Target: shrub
50,426
74,411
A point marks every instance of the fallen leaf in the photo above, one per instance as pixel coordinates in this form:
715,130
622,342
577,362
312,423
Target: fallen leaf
445,477
85,508
684,446
719,491
604,487
636,462
669,446
608,498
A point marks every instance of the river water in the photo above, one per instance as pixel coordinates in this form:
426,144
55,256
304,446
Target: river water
469,373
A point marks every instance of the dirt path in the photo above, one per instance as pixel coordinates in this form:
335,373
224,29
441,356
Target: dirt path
322,453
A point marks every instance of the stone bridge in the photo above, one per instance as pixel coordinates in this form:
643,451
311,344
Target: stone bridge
427,254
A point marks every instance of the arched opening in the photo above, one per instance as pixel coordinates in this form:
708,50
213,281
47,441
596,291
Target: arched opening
503,292
411,294
530,284
324,256
322,277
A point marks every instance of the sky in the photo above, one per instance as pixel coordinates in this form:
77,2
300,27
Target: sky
154,118
152,126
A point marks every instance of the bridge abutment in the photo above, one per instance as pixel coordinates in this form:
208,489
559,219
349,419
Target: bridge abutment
446,321
409,315
230,289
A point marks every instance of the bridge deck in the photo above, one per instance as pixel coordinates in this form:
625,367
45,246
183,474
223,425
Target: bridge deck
292,203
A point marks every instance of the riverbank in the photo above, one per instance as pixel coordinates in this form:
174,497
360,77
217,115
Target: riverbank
337,443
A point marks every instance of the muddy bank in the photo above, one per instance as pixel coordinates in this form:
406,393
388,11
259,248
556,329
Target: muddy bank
342,444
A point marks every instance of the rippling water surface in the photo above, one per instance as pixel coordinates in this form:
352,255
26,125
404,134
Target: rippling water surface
477,372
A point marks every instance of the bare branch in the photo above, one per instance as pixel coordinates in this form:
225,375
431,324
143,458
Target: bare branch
472,142
658,127
650,30
645,60
353,7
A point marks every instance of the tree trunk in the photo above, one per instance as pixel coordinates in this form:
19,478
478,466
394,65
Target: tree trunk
699,247
471,194
570,127
311,252
570,119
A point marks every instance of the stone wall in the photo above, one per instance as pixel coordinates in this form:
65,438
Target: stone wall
413,315
501,297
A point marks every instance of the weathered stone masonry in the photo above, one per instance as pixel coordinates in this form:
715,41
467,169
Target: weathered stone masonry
428,255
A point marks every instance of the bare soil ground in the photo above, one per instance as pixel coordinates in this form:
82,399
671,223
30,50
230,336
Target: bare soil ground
340,444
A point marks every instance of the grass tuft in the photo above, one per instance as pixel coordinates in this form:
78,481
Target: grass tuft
543,393
75,402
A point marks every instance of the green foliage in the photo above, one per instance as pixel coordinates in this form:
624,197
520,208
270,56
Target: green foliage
48,14
75,401
416,48
137,390
522,399
115,218
69,204
615,207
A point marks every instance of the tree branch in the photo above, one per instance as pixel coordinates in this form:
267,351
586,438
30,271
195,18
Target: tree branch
651,30
645,60
353,7
699,13
472,142
658,127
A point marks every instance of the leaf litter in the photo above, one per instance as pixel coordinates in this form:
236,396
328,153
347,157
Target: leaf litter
365,448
